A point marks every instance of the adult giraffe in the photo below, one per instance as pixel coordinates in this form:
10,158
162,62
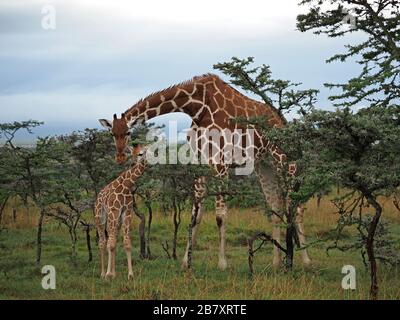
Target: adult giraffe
213,104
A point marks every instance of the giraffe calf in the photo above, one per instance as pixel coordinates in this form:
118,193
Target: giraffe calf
113,208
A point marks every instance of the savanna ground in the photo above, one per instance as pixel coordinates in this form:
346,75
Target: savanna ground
162,278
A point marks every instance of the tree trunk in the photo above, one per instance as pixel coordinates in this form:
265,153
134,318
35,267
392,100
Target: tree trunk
370,246
177,222
291,235
2,207
39,238
150,210
142,231
289,246
174,240
72,234
164,209
88,243
190,229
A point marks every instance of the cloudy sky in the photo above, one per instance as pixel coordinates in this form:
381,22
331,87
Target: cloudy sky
105,55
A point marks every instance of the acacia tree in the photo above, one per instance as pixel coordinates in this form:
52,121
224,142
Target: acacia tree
358,151
9,183
28,171
148,190
377,86
361,152
35,172
91,149
60,175
378,54
177,181
281,94
69,198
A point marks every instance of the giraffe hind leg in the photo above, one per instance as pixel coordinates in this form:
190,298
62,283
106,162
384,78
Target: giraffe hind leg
269,185
102,249
270,188
302,238
127,241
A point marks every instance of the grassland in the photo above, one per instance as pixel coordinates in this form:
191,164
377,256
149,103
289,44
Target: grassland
162,278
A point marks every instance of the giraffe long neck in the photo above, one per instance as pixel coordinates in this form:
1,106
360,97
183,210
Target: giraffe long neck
131,175
188,98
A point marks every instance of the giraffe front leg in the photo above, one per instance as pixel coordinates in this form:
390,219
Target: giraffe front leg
111,247
100,227
221,216
300,228
197,213
128,243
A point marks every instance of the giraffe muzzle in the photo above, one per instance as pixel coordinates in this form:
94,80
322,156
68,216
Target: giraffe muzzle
121,158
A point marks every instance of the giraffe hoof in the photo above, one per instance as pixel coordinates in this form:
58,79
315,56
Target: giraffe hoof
184,265
222,265
103,275
307,262
277,264
130,276
110,276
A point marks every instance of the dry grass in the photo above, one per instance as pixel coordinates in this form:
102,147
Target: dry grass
162,278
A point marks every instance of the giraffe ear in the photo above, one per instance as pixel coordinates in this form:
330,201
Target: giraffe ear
106,124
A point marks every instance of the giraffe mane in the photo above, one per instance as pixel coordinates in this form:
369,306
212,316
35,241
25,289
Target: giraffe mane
195,78
174,86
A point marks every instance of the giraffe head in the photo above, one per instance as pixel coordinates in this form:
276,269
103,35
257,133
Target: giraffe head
137,151
120,130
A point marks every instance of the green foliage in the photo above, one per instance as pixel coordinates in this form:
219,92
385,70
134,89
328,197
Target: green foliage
91,152
359,150
258,80
378,54
352,216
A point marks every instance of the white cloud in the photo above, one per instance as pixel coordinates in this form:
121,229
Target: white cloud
105,55
67,105
112,27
